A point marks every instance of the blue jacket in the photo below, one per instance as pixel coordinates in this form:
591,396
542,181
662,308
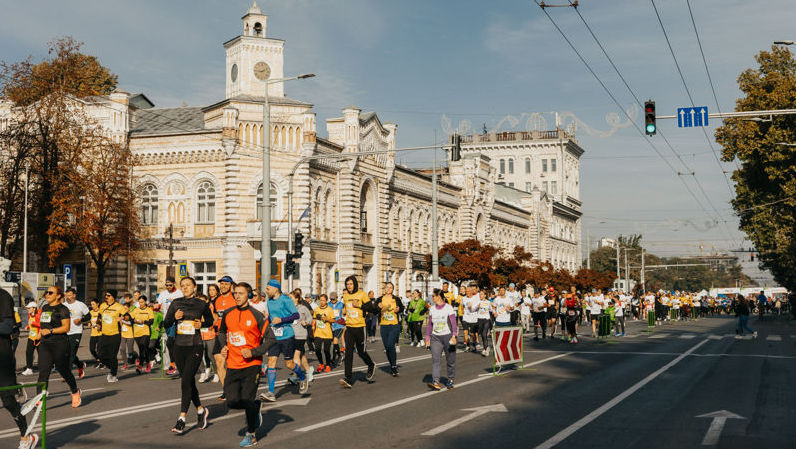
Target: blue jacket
283,308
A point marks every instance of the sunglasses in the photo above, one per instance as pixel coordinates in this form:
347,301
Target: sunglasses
49,293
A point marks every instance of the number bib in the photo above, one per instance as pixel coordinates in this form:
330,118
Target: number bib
107,318
279,331
125,328
353,313
236,339
389,316
140,326
46,317
440,328
34,333
320,325
186,328
570,312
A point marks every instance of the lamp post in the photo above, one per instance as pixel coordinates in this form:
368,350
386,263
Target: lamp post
25,225
262,73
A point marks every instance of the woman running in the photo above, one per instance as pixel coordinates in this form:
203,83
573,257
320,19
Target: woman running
189,314
96,330
322,323
441,334
142,318
391,308
54,347
356,304
208,343
34,337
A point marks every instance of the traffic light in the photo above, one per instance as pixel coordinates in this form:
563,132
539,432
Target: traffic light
290,266
649,118
298,244
456,149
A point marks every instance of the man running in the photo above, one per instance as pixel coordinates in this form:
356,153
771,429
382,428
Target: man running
78,314
539,307
165,298
224,302
338,326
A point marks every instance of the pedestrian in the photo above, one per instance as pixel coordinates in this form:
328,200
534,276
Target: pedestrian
142,318
208,343
619,317
34,336
225,301
417,310
356,304
338,327
390,308
503,306
742,312
188,314
322,330
111,313
95,335
470,318
54,348
441,332
484,323
155,333
371,320
539,307
78,314
127,346
165,298
301,336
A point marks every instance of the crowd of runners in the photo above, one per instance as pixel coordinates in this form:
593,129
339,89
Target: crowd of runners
235,335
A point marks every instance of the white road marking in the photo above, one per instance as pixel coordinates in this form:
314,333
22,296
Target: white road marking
773,338
302,401
659,336
717,425
577,425
339,419
476,412
688,336
715,337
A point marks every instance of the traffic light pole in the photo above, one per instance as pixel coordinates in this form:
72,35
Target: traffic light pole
768,113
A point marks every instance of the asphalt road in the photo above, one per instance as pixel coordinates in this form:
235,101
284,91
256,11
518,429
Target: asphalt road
642,391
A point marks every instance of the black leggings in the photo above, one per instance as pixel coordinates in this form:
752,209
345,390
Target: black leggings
74,345
240,389
355,339
55,352
188,359
322,349
30,349
143,349
94,345
415,331
484,325
108,350
8,377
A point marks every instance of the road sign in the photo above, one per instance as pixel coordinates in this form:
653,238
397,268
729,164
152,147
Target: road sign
183,269
507,341
692,117
13,276
447,260
68,271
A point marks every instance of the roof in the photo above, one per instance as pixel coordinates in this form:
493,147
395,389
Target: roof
259,99
509,195
156,121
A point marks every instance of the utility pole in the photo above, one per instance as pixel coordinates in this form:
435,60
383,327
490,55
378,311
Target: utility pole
434,237
618,274
25,226
643,284
588,250
627,274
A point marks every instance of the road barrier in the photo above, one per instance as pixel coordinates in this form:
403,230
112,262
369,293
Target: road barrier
650,321
507,342
604,329
672,315
33,404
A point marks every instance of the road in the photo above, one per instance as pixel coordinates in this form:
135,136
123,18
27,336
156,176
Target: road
645,390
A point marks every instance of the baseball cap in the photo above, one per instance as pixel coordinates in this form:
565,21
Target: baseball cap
31,305
226,279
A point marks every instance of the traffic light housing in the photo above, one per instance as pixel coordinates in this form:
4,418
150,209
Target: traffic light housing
456,147
290,266
298,244
649,118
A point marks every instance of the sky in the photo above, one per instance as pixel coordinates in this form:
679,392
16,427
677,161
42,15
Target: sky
430,66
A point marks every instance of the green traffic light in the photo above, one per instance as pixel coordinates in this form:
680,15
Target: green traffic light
651,128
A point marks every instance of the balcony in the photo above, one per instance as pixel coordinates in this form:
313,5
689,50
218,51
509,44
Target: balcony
516,136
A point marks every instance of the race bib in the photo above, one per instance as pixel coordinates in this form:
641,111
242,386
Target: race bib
107,318
140,326
279,331
46,317
125,328
570,312
353,314
186,328
320,325
236,339
388,316
34,333
440,328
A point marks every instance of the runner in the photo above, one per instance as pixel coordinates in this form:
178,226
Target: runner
573,308
516,300
301,336
391,309
469,318
539,306
142,318
356,302
503,307
417,310
552,311
208,343
595,309
8,376
96,331
155,332
441,332
482,313
322,324
244,328
54,347
281,313
188,314
34,336
742,311
165,298
78,314
338,327
111,313
525,313
222,303
127,346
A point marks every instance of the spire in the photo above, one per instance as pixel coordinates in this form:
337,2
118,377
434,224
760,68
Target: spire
254,9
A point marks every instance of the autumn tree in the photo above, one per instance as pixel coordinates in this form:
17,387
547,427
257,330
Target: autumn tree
765,183
587,279
472,261
512,268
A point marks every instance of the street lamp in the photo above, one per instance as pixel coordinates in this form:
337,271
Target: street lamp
262,73
786,144
784,42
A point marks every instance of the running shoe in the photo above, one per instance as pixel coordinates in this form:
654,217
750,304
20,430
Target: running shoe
80,373
304,386
76,400
223,397
434,386
203,377
201,419
171,371
30,442
394,371
293,379
320,368
328,369
27,372
112,379
148,368
449,385
345,383
179,427
371,372
310,375
124,367
248,440
215,379
268,396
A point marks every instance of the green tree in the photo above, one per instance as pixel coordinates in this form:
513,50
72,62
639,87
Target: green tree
765,183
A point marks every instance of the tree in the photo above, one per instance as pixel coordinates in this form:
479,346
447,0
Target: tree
96,207
512,268
47,119
587,279
765,183
604,259
472,261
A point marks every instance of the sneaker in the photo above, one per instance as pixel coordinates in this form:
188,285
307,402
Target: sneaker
215,379
203,377
112,379
80,373
138,370
304,386
268,396
171,371
434,386
223,397
394,371
371,372
293,379
397,349
754,335
179,427
124,367
327,369
623,334
27,372
201,419
30,443
485,352
248,440
310,375
616,334
76,400
345,383
449,385
148,368
320,368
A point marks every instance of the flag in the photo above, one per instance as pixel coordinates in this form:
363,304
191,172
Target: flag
305,214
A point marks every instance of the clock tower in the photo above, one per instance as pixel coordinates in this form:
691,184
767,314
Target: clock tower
253,49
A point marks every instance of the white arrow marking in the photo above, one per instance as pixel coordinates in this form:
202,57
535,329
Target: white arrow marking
476,412
692,116
705,116
682,113
720,418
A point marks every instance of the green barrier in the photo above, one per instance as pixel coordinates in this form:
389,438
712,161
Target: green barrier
43,386
605,326
672,315
650,320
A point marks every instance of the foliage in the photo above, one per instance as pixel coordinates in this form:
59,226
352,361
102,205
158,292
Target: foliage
765,183
472,261
587,279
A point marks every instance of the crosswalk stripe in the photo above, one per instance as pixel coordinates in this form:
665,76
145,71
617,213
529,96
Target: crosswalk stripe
715,337
687,336
631,336
658,336
773,338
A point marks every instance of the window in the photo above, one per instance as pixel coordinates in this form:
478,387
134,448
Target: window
146,279
544,186
511,166
205,275
511,184
206,203
363,220
554,187
527,165
528,187
502,166
149,205
544,165
258,212
552,165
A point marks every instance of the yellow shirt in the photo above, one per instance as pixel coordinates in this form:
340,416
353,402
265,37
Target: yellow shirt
95,321
354,316
140,330
460,300
323,325
389,314
110,315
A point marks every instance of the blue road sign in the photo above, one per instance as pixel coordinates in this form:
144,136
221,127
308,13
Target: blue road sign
692,117
68,271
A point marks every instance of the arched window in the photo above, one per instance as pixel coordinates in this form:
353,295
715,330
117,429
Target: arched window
502,166
149,205
275,212
527,165
206,203
511,166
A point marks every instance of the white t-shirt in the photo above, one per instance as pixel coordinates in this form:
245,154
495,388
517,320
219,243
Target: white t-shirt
503,306
525,307
596,305
261,307
483,308
77,310
165,298
620,307
676,304
470,306
439,319
539,304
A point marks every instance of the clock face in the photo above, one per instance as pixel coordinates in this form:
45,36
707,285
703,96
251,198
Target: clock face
234,73
262,71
